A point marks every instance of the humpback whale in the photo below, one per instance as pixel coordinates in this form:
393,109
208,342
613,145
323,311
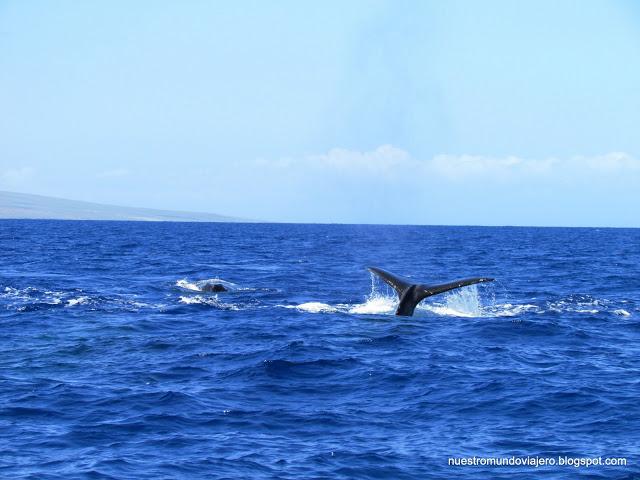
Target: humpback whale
213,287
412,293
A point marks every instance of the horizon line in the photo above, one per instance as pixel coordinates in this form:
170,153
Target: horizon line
257,221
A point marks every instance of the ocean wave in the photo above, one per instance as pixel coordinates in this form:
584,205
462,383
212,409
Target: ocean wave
283,365
467,302
208,300
510,310
32,298
82,300
585,304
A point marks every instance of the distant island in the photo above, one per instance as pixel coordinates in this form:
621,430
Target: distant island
25,206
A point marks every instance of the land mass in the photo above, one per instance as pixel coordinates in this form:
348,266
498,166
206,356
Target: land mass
25,206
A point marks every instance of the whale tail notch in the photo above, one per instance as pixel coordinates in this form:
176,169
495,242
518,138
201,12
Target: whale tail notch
412,293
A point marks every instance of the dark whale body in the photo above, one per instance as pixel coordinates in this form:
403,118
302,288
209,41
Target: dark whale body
412,293
213,287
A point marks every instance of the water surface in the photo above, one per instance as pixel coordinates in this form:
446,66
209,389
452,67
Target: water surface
113,363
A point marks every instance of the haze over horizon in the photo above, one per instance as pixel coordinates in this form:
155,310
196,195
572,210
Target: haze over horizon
492,113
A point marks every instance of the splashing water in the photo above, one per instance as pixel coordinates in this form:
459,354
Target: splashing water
315,307
463,302
382,300
211,301
471,302
377,302
375,305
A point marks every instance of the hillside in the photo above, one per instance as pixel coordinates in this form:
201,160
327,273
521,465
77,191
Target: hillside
26,206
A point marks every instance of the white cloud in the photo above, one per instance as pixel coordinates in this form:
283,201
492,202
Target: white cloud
387,160
382,160
456,166
511,167
611,162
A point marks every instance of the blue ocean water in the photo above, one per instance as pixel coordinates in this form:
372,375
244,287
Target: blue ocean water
113,363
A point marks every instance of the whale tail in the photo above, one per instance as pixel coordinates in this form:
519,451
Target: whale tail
412,293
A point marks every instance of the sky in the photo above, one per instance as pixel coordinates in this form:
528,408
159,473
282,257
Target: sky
418,112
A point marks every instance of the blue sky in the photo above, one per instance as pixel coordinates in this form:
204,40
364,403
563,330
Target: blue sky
484,113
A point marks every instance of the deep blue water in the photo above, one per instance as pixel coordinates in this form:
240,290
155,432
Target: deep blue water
114,365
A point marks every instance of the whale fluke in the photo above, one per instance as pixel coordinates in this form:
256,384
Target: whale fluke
412,293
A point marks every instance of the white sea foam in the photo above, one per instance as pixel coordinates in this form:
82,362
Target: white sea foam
212,301
21,299
16,293
28,295
316,307
578,304
470,302
462,303
77,301
447,311
184,283
465,302
191,300
375,305
509,310
379,305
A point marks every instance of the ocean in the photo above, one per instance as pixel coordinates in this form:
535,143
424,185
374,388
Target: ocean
114,363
